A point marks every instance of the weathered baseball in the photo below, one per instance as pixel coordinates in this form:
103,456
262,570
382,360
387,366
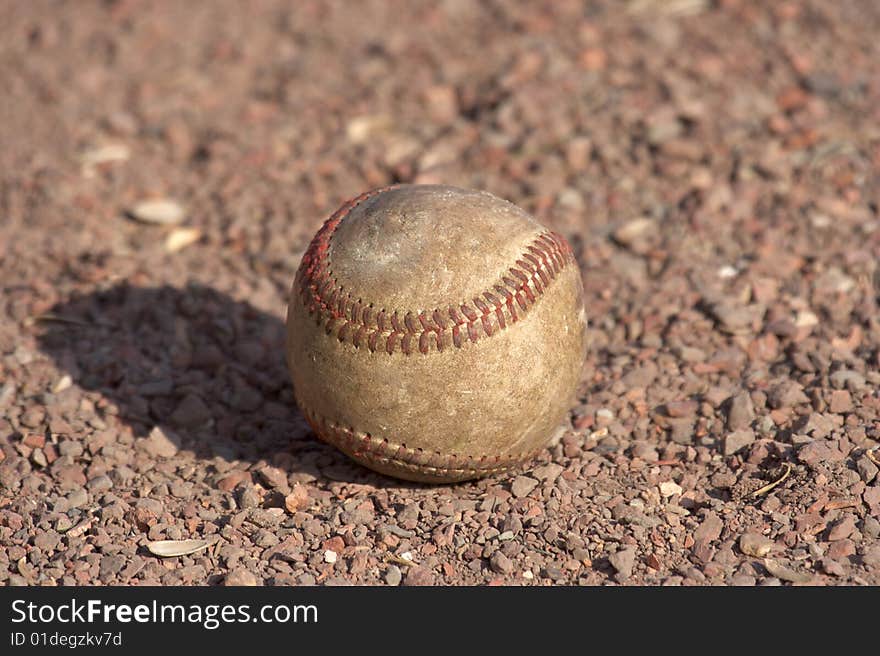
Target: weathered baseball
436,334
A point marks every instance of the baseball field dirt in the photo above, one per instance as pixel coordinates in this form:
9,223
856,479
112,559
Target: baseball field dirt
715,166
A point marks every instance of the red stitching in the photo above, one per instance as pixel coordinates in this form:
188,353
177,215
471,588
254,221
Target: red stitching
355,321
427,463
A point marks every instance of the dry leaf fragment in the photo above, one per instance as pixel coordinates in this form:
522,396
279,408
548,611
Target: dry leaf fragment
180,238
63,383
55,318
108,153
161,212
171,548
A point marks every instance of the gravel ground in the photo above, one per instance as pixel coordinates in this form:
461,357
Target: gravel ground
715,165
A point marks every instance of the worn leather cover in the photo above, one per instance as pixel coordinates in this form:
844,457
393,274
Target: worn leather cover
436,334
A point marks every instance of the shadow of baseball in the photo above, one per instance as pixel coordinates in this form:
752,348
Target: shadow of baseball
206,369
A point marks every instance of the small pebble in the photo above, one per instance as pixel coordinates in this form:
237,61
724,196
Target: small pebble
241,577
669,488
623,561
522,486
393,575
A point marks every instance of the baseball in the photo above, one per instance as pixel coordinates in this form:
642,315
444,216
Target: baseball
436,334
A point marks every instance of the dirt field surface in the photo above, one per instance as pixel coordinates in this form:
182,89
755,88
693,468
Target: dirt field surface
716,166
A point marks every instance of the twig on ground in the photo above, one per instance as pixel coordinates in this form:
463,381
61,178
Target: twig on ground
398,560
764,490
72,321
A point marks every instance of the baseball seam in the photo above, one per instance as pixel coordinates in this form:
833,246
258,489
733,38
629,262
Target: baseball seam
360,324
433,463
